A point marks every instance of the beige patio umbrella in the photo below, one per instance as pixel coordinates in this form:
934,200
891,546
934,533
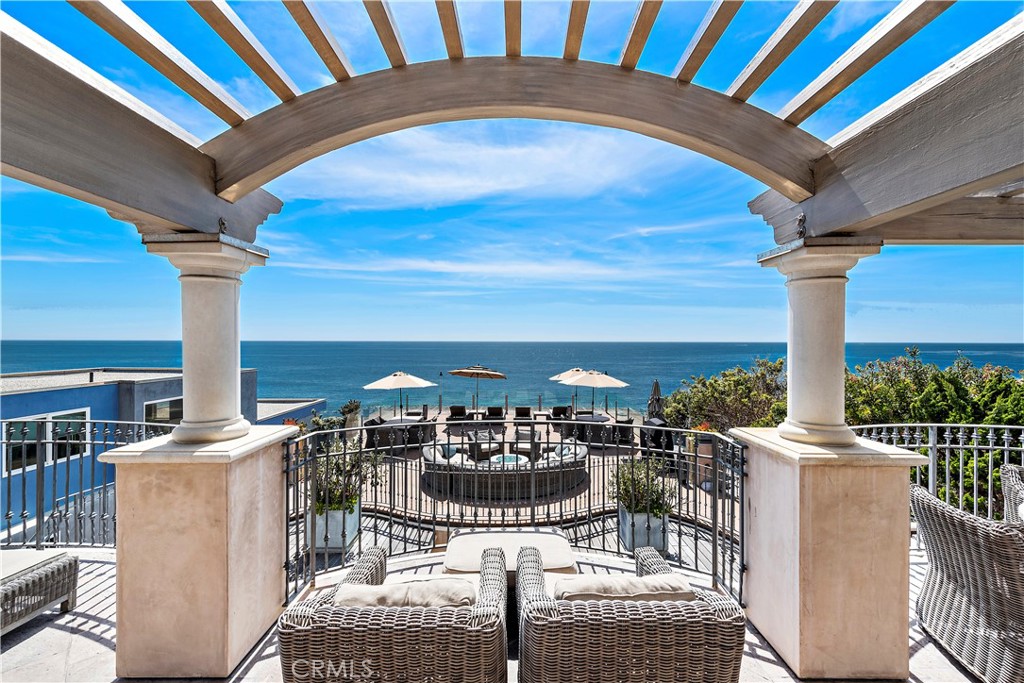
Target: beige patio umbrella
400,380
478,372
595,380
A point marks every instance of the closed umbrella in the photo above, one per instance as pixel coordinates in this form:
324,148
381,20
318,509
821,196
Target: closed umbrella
478,372
655,404
595,380
400,380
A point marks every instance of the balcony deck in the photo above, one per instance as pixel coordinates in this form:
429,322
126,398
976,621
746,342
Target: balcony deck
79,646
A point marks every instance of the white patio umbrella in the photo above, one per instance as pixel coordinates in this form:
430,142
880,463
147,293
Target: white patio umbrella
595,380
400,380
560,377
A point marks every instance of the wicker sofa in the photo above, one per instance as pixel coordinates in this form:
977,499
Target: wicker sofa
972,600
319,639
1012,477
611,640
34,581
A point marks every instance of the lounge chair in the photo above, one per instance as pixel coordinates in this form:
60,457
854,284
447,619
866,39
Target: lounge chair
450,643
456,413
615,639
523,413
971,598
561,413
1012,478
494,413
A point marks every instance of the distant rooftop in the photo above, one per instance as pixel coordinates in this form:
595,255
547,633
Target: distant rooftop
61,379
267,408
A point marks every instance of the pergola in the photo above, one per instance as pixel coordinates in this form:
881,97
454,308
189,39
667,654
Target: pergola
940,163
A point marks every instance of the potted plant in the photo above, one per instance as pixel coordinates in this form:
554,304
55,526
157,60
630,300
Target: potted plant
645,499
340,472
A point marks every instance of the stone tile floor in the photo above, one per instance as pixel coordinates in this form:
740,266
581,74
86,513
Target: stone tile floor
79,646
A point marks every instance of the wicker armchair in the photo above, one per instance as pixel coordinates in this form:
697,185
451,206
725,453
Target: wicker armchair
322,641
609,640
972,600
1012,477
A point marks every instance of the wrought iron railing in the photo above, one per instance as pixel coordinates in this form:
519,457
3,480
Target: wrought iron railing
54,491
963,459
407,485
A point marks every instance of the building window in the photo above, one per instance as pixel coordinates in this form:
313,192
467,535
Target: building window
164,412
49,437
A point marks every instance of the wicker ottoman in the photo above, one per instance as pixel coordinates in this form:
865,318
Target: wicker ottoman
466,545
33,582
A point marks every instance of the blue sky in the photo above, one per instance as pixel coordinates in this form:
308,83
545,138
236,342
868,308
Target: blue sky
499,230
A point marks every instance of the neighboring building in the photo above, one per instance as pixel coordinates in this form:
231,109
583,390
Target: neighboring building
68,399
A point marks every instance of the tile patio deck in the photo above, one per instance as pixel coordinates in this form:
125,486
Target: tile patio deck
79,646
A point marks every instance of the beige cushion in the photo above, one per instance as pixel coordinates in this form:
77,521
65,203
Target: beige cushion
444,592
467,547
16,563
651,588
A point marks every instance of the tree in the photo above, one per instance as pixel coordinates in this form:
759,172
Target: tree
733,398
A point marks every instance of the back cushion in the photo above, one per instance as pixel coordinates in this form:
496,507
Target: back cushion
630,588
431,593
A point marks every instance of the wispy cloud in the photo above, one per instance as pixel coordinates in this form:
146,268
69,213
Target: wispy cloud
48,257
450,164
852,15
686,227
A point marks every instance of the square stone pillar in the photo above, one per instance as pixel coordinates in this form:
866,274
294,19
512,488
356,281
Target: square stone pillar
827,542
200,543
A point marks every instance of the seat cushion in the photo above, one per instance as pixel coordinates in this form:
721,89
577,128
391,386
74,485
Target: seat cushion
439,592
656,587
18,562
466,548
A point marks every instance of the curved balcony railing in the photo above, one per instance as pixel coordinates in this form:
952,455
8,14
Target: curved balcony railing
963,459
609,484
54,491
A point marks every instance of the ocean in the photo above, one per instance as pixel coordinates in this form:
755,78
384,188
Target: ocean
337,371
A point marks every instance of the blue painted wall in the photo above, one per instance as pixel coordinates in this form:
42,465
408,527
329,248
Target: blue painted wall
18,490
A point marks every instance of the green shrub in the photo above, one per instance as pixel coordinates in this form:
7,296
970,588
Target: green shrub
641,487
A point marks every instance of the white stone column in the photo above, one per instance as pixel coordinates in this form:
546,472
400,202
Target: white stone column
211,274
815,359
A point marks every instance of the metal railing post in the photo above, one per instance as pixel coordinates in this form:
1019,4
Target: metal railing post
933,459
41,480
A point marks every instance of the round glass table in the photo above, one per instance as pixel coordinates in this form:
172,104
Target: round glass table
508,460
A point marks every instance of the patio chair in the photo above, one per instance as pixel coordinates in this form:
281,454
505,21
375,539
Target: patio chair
523,413
456,413
623,432
494,413
972,595
527,442
463,643
1012,477
561,412
371,427
611,640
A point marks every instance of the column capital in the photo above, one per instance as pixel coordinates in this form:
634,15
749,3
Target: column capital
798,260
205,254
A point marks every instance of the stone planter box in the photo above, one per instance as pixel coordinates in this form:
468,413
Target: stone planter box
637,530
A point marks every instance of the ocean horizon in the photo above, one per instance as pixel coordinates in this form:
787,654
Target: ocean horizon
337,371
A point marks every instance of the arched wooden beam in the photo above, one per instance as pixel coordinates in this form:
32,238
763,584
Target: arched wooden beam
741,135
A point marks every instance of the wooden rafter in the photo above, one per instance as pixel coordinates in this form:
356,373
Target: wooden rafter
909,17
70,130
450,28
319,35
954,133
233,31
387,31
796,27
643,22
114,17
513,28
704,40
574,32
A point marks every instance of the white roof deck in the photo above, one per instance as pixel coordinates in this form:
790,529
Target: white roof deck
63,379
